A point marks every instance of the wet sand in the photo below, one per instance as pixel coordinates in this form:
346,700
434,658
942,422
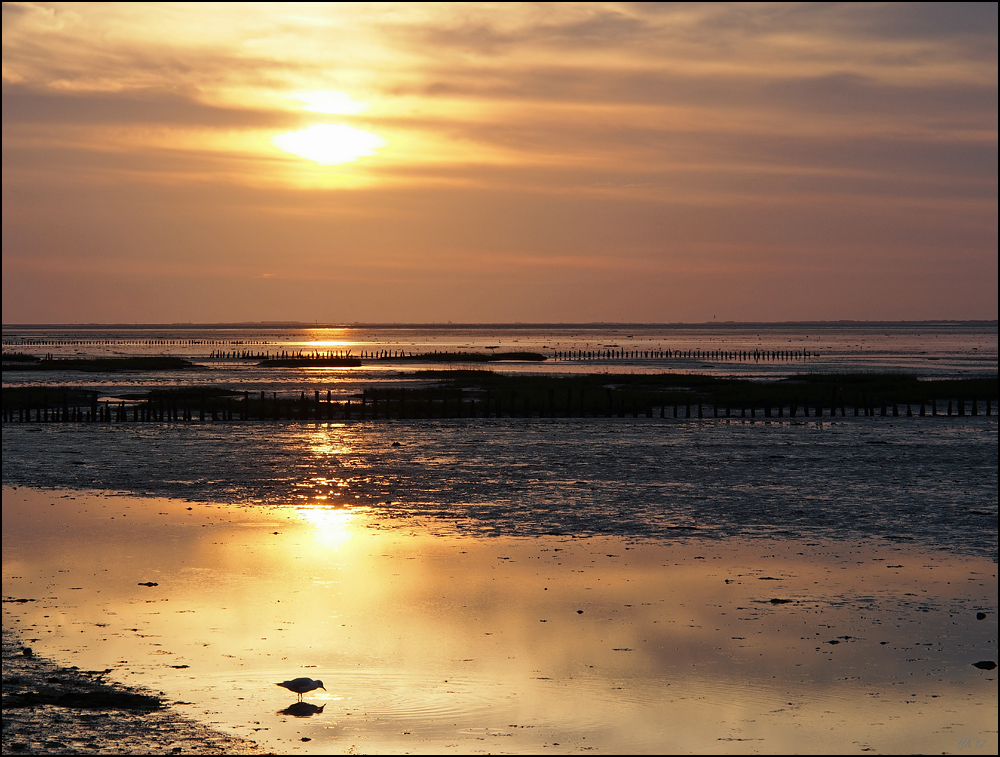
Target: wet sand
428,641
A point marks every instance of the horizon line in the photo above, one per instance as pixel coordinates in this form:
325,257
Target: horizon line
503,324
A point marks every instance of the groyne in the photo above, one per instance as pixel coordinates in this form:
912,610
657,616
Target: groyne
482,394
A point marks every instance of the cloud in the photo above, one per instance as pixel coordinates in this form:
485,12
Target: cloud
624,149
24,105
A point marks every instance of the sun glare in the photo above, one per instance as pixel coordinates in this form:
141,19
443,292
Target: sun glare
331,526
329,101
330,144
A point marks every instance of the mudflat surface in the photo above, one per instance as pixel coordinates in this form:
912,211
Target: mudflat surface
438,644
48,709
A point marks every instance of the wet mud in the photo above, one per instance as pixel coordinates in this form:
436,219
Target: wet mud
48,709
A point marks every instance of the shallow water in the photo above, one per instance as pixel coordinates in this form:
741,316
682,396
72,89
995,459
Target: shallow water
929,350
429,643
932,481
431,571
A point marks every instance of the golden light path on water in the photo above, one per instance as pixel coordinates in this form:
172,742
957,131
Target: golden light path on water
435,643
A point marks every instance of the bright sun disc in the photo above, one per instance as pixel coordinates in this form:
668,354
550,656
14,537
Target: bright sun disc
330,144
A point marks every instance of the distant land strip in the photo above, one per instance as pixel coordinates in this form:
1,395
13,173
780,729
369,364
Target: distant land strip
307,361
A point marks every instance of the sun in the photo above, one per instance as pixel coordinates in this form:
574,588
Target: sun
329,101
330,144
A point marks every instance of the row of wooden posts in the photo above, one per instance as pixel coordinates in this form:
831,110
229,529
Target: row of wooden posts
30,342
756,355
515,405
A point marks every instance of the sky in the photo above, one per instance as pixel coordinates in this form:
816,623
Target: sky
484,163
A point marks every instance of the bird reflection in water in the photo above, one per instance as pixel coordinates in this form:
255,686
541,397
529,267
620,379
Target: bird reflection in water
302,710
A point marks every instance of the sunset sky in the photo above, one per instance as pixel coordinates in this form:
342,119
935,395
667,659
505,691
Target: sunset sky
499,163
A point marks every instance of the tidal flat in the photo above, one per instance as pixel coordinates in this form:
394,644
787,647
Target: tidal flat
428,641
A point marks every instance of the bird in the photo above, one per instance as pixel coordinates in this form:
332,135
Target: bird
302,685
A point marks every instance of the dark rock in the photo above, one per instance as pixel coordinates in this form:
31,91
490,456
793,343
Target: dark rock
985,665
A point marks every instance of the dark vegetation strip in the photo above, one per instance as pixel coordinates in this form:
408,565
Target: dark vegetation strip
479,394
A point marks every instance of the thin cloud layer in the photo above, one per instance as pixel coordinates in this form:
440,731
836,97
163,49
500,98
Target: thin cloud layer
552,162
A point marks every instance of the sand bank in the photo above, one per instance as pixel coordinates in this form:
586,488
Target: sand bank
431,642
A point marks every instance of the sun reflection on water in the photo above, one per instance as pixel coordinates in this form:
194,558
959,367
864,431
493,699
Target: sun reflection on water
318,343
331,525
326,442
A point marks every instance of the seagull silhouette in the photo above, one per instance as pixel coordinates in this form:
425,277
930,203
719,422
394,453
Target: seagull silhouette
302,685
